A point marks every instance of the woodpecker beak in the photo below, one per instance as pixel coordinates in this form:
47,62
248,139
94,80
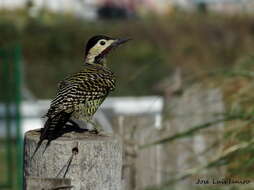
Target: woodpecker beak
120,41
116,43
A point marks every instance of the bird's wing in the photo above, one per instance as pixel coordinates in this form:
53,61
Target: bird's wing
89,87
89,84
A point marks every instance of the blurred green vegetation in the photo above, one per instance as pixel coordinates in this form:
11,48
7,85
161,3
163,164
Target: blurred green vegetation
238,85
237,157
53,46
8,170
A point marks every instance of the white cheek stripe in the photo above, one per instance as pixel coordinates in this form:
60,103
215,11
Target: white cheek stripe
96,50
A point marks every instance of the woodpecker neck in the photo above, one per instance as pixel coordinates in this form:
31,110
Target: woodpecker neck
91,59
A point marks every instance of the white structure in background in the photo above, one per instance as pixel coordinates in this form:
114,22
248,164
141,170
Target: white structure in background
225,6
82,8
185,4
88,8
232,6
32,111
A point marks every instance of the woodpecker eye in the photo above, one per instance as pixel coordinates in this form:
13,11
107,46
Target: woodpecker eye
102,43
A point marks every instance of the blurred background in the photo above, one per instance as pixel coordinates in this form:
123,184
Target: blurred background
184,98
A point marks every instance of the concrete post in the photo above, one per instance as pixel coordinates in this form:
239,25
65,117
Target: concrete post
96,166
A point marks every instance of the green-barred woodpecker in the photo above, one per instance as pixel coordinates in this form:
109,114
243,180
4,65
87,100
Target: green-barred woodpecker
80,95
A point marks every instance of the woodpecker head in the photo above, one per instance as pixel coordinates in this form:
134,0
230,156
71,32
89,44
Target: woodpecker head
99,46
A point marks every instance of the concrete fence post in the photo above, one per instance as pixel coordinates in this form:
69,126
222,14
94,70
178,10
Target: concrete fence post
94,162
38,183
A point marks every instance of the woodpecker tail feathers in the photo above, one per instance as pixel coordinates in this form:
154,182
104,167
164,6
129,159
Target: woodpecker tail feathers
53,128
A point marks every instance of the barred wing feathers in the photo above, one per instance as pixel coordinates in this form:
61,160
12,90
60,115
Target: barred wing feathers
92,83
87,88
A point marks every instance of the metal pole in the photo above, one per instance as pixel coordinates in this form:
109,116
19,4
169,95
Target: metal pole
17,77
7,100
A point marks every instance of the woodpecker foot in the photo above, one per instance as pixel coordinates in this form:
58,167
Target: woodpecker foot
96,127
76,128
94,131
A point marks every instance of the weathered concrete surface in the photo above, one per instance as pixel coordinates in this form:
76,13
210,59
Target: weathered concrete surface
197,105
97,166
33,183
161,163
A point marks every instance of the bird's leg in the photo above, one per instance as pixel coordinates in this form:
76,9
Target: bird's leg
76,127
96,127
74,124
